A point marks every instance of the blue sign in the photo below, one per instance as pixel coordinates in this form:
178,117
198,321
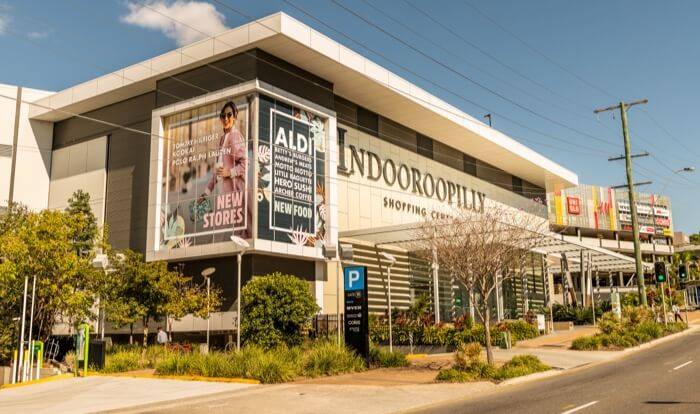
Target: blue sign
354,278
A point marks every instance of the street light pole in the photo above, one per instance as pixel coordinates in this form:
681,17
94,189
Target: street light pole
21,334
207,273
391,260
242,247
31,328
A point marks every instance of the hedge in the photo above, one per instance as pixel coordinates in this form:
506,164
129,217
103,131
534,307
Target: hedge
445,335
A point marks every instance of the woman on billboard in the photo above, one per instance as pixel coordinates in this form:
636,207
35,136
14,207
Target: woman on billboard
228,183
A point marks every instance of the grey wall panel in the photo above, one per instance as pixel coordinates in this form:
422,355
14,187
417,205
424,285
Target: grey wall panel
127,164
204,79
241,68
127,188
128,113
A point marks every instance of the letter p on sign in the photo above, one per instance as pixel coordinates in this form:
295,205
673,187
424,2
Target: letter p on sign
354,278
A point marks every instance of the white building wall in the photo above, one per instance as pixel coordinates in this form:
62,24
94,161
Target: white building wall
34,143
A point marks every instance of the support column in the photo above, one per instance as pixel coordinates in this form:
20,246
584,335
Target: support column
582,279
436,286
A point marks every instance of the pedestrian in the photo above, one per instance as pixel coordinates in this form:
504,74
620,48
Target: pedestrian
162,337
676,313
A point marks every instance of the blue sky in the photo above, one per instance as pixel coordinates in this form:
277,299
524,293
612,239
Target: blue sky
602,51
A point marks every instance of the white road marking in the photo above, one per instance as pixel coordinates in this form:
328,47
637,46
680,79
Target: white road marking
580,407
682,365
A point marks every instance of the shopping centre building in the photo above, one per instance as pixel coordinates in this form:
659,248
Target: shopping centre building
601,217
279,135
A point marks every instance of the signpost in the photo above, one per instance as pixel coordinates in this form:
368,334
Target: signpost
82,346
356,313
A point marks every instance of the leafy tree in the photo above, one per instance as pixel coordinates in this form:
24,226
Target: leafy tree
85,229
275,308
143,291
40,245
695,238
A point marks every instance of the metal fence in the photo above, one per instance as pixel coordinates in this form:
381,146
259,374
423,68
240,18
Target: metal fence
326,325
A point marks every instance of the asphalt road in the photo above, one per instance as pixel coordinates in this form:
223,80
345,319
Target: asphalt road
661,379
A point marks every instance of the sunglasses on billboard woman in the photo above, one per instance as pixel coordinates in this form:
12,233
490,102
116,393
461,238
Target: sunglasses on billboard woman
232,111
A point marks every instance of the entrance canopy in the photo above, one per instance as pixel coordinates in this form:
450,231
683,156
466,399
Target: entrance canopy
554,246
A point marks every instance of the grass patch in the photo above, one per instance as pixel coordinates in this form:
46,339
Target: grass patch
469,366
327,358
382,358
519,366
281,364
454,375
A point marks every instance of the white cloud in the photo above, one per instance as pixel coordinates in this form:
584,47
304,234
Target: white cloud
4,18
37,35
166,16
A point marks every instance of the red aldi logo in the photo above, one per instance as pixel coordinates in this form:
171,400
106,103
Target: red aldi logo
573,205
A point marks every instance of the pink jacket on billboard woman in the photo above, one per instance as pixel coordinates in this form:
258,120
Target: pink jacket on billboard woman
233,158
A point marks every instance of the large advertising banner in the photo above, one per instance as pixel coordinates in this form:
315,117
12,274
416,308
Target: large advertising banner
291,175
205,175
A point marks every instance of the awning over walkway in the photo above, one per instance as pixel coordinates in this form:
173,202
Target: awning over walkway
553,245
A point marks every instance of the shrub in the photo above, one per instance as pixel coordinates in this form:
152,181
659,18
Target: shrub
635,315
175,364
674,327
609,323
268,367
127,360
652,330
276,308
586,343
327,358
520,365
69,359
382,358
453,375
274,367
519,330
467,354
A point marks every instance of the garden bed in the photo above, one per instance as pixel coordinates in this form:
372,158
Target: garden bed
468,366
636,326
281,364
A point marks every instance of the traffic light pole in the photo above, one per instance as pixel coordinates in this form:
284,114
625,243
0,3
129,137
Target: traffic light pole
632,198
663,300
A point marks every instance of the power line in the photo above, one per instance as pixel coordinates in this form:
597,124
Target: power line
668,133
573,74
467,78
539,52
481,70
408,70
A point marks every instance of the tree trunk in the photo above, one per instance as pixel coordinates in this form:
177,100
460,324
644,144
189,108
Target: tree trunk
487,329
145,335
131,334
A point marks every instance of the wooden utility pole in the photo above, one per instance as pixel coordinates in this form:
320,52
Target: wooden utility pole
632,197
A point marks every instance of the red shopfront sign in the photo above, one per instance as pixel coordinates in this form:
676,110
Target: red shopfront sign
573,205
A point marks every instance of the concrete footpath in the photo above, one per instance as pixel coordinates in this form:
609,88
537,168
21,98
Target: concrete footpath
102,393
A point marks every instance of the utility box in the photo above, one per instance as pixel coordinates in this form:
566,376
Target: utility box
96,352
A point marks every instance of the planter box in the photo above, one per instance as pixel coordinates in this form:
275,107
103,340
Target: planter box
563,326
5,375
421,349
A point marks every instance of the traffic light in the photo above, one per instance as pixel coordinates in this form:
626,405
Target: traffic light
682,271
660,272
